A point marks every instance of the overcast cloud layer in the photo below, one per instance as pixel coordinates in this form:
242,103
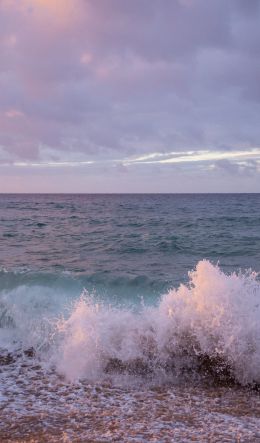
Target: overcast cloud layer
129,96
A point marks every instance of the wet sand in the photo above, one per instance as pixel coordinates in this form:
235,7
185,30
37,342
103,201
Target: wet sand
37,405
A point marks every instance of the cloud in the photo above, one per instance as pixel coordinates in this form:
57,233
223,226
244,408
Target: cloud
105,81
245,168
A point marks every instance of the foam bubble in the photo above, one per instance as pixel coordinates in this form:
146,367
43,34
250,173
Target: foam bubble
213,319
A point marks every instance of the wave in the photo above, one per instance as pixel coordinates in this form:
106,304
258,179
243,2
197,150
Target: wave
207,328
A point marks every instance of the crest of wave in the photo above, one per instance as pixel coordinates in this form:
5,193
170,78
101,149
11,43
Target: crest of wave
215,315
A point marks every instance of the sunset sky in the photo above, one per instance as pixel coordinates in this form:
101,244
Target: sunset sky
129,96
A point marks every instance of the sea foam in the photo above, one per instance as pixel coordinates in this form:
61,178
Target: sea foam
211,325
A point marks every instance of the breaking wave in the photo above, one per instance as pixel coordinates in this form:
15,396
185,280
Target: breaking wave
208,328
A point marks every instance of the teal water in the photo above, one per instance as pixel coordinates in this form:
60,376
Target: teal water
124,245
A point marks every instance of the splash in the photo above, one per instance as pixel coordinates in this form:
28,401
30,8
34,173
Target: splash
209,326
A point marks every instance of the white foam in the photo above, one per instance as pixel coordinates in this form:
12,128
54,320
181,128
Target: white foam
215,315
28,315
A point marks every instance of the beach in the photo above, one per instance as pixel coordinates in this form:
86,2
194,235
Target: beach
129,318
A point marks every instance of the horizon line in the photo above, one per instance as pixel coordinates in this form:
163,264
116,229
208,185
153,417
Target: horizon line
128,193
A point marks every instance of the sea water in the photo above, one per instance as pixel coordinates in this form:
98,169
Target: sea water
130,317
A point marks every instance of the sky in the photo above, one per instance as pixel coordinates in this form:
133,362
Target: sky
129,96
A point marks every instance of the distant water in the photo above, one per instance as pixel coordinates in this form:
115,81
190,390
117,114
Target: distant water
111,294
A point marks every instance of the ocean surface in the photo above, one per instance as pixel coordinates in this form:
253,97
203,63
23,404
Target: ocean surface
130,318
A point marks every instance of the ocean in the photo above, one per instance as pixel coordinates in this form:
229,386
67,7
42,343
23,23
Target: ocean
130,318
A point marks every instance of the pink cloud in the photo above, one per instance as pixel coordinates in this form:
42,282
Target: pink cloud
12,113
112,77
